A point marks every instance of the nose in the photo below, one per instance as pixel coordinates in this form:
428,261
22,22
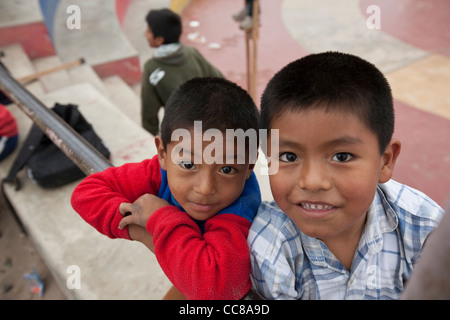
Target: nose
314,176
205,184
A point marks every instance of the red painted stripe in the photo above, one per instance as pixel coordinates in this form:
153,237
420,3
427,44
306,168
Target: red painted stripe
276,47
121,9
33,37
424,161
128,69
421,23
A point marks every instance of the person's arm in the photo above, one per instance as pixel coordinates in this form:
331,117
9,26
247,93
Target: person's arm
212,265
136,214
98,197
208,70
217,260
150,103
430,279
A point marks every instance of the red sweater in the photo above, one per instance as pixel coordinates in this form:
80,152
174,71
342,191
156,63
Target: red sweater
213,264
8,124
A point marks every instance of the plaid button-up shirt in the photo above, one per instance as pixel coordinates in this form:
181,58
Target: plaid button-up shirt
287,264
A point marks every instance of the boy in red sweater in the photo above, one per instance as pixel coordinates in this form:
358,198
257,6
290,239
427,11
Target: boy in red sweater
197,211
8,132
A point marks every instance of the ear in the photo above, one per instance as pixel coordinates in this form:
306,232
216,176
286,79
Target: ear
162,155
388,160
159,41
252,165
250,170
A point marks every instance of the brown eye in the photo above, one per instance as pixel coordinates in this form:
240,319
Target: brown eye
342,157
227,170
187,165
288,157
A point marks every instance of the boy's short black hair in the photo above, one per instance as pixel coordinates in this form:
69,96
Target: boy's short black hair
165,23
217,102
336,82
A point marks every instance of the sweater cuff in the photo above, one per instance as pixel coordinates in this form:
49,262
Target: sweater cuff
119,233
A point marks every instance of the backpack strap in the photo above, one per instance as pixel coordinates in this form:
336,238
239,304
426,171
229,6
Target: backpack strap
3,98
34,137
29,145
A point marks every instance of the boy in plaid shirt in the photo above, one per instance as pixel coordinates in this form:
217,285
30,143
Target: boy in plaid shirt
339,228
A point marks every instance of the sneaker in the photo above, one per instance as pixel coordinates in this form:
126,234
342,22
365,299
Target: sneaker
246,24
240,15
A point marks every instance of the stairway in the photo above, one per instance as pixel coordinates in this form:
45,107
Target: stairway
62,238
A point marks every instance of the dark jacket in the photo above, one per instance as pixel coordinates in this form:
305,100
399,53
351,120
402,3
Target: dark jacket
162,75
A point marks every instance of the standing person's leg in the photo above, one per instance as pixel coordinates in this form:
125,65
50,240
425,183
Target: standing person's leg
247,23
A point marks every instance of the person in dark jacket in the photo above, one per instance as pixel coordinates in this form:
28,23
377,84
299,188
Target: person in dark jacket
173,64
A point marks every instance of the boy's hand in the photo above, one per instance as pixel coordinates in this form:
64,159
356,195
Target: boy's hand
139,211
140,234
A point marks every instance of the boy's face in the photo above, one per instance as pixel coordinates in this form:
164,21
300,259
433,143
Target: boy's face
329,168
202,189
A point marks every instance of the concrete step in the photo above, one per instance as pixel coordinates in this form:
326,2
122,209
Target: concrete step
53,81
63,78
62,237
17,61
137,88
19,65
85,74
22,22
99,40
13,13
124,98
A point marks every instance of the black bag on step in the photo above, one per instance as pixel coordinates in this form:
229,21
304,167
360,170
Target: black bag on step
46,164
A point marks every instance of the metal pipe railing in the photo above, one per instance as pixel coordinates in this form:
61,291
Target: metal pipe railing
86,157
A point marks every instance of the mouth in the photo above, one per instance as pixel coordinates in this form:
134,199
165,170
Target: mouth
201,207
315,206
316,210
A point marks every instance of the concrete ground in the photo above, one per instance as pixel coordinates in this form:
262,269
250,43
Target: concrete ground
20,257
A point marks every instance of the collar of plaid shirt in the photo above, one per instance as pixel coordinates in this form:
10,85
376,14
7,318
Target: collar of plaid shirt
399,220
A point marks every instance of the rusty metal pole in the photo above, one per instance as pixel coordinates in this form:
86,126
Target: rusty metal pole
86,157
255,37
